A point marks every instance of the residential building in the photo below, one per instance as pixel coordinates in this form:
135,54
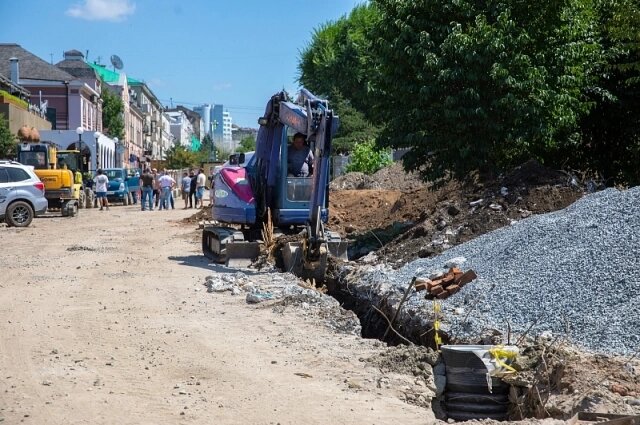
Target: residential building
166,138
198,128
205,113
74,64
240,133
151,109
223,131
133,153
181,128
70,101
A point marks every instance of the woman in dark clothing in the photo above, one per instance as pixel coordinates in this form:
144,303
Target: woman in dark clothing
192,191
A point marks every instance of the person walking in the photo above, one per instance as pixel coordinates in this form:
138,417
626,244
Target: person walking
147,189
102,181
186,188
156,186
192,190
201,181
167,183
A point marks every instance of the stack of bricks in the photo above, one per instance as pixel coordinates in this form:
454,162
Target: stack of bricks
445,285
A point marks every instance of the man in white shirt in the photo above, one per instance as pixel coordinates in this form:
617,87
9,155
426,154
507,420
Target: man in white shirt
102,181
166,185
201,180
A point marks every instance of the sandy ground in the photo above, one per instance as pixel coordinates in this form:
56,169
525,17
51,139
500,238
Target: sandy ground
104,319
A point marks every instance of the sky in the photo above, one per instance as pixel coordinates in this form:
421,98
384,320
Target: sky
189,52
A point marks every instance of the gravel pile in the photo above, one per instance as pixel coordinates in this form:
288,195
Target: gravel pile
574,272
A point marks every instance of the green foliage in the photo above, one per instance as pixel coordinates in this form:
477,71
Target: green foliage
247,144
610,142
112,113
481,85
179,157
337,64
354,127
8,141
338,58
206,150
366,158
14,99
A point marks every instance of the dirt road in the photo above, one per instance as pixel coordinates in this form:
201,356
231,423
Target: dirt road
104,319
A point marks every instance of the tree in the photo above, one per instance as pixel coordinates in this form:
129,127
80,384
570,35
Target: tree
112,113
336,64
179,157
481,85
8,141
354,128
247,144
338,59
610,143
207,152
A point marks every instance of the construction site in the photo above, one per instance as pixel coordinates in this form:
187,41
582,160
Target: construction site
537,261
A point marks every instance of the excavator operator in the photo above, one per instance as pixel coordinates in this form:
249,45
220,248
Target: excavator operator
299,157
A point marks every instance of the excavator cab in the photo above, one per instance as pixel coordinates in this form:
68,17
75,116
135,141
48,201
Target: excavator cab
247,196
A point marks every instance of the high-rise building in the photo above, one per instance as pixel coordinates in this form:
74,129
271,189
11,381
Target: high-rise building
222,128
206,114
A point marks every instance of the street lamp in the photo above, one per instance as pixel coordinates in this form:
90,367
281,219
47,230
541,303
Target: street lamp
79,132
97,135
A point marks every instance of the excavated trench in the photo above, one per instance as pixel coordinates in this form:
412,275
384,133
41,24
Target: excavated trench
460,396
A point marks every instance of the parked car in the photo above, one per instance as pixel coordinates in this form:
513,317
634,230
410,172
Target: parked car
124,185
21,194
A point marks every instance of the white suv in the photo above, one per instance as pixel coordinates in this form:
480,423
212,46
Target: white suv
21,194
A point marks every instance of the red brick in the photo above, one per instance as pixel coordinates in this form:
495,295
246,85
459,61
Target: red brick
443,295
436,290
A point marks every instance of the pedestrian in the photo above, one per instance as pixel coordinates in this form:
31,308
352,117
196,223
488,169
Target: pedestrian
167,183
186,188
212,179
102,181
192,190
201,181
156,186
147,189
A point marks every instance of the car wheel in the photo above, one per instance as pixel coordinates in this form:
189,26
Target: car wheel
19,214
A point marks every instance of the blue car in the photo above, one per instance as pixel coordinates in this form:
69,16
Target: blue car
124,185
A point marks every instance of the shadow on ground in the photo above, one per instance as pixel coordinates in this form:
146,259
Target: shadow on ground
203,262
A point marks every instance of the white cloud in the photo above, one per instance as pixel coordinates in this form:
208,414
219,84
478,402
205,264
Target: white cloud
102,10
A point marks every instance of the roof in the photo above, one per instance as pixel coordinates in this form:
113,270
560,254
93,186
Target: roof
31,66
109,76
77,68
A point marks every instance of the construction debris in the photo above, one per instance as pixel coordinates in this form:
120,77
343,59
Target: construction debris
446,285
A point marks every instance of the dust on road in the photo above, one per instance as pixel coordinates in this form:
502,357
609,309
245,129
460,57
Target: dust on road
104,319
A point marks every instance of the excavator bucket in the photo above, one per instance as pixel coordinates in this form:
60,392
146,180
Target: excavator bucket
295,263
